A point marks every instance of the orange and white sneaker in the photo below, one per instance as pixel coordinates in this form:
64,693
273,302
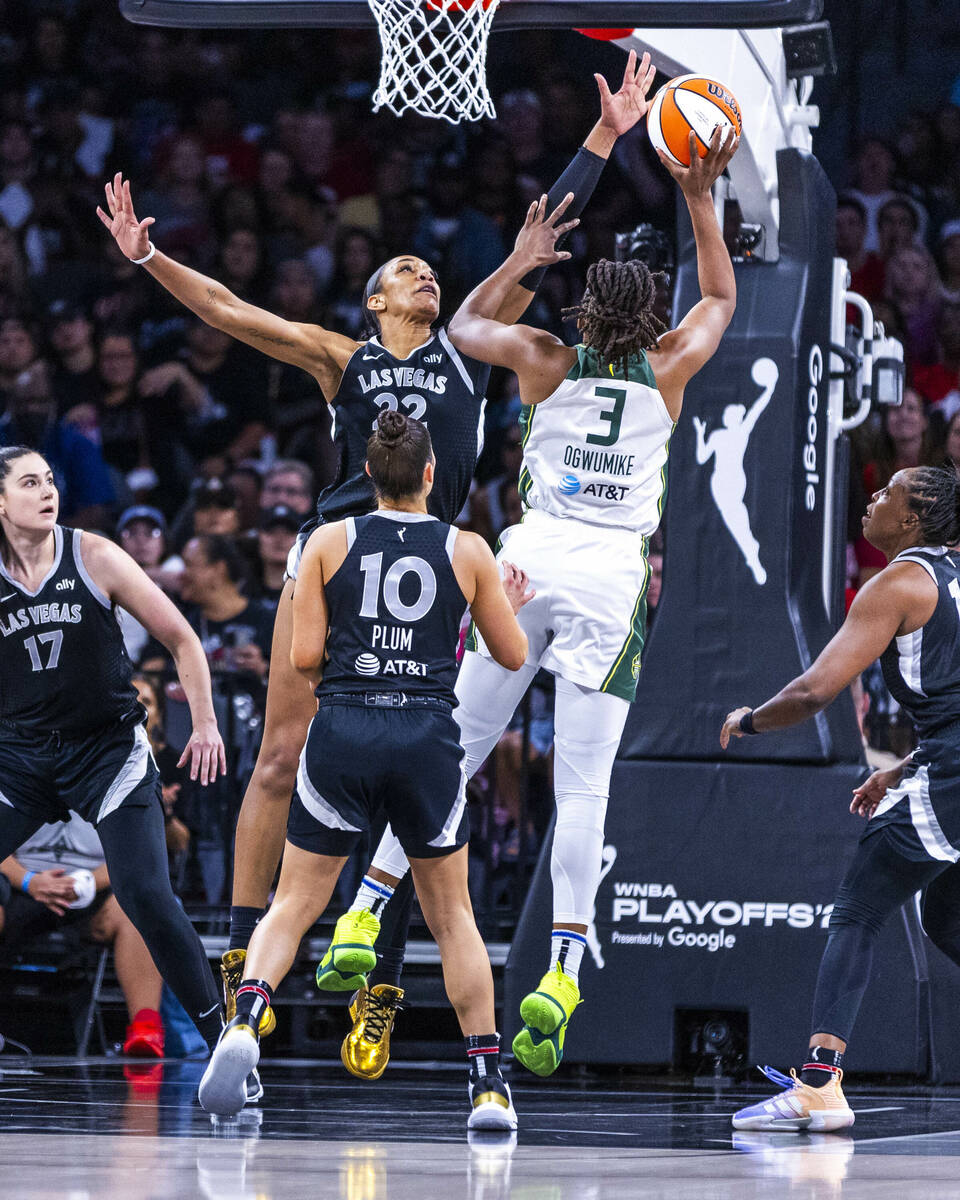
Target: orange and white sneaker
798,1107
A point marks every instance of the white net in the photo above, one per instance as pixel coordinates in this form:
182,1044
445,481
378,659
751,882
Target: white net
434,59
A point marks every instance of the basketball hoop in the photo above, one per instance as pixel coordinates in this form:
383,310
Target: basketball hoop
434,59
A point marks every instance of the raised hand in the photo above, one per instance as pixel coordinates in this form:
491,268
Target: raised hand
129,233
621,110
537,240
703,173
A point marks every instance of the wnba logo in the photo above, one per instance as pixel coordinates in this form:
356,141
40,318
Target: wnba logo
367,664
569,485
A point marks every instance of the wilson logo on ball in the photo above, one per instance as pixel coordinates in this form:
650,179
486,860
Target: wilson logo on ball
691,102
367,664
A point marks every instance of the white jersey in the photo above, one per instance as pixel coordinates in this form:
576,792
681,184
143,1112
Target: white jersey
596,448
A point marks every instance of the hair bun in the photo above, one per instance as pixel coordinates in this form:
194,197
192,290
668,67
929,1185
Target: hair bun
391,427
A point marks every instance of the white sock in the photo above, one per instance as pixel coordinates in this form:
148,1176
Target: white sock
371,894
567,948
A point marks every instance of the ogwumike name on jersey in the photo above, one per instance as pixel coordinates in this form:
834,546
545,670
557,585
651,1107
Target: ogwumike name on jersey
604,463
404,377
40,614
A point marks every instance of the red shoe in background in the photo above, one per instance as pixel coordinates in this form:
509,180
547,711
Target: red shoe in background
144,1035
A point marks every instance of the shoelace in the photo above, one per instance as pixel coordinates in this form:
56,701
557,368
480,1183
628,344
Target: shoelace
376,1015
777,1077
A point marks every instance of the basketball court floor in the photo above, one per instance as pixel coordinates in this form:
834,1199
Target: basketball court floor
100,1129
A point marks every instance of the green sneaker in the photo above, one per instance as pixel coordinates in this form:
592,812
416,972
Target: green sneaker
351,955
546,1012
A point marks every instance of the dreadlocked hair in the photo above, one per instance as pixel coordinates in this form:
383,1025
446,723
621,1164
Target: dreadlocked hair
615,316
933,493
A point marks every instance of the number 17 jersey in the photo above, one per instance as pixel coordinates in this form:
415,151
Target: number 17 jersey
596,448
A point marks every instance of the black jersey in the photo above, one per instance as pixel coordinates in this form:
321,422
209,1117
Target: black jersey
63,664
434,384
922,669
394,608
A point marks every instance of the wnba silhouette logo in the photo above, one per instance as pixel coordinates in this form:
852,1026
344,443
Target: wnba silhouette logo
727,447
593,941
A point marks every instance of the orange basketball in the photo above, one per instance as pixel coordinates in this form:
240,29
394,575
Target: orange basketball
691,102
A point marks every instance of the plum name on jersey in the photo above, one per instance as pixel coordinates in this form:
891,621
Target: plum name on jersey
603,462
391,637
404,377
41,614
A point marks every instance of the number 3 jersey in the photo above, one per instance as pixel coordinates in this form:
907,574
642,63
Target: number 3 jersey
63,665
394,609
434,384
596,448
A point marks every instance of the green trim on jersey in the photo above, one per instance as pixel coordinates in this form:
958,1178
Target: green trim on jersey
622,677
663,475
525,482
590,365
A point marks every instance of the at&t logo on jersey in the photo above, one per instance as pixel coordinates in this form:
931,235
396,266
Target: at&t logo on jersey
569,485
367,664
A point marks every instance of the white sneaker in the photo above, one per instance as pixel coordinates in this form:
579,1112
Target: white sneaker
223,1088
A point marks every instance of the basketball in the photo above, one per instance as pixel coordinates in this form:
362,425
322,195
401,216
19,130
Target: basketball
691,102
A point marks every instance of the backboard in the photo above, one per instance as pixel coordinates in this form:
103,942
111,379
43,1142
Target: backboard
512,14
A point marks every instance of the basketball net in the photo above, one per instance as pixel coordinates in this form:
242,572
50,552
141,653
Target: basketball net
434,57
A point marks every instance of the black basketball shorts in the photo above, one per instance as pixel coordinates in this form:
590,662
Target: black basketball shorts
48,776
360,758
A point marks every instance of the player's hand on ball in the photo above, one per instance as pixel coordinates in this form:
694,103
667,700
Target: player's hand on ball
621,110
130,234
731,726
868,795
516,586
205,753
703,173
54,888
537,240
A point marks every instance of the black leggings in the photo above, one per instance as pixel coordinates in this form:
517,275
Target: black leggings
880,880
134,846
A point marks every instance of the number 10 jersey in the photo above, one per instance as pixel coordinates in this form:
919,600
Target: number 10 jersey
596,448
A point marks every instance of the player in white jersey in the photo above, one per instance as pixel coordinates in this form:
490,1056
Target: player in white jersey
597,421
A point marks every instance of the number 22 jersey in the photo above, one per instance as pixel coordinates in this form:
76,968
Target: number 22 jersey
434,384
596,448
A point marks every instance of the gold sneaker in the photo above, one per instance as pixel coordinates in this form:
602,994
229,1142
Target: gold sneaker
231,973
366,1048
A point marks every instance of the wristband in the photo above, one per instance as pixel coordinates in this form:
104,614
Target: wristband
746,723
146,258
25,882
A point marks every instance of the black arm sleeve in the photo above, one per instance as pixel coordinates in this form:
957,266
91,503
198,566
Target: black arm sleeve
580,177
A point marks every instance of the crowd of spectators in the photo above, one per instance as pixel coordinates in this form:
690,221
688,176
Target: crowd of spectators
259,158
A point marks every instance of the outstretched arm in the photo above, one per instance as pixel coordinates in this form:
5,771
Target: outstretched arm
533,354
900,593
619,112
684,350
317,350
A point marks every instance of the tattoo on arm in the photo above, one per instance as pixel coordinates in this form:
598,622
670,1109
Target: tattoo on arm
265,337
211,295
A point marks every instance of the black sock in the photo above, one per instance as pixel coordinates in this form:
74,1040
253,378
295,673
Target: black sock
253,997
210,1025
483,1056
821,1066
391,943
243,921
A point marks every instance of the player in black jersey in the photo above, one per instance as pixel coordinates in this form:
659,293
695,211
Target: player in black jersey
71,727
377,608
908,616
405,366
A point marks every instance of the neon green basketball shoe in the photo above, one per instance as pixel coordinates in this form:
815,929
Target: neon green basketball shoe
546,1012
350,956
